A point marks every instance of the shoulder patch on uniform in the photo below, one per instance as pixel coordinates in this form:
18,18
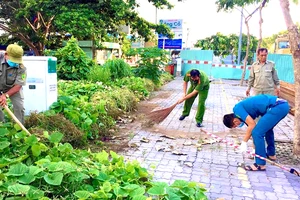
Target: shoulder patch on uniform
23,76
188,75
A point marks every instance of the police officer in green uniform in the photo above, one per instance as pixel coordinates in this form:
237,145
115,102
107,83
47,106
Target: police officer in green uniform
12,78
263,76
199,85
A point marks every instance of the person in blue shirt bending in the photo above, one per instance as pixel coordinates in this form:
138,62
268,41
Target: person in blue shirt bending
272,110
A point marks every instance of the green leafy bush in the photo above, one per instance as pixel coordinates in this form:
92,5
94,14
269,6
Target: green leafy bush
111,106
93,107
151,62
79,88
117,101
118,68
73,63
164,78
90,117
31,169
139,86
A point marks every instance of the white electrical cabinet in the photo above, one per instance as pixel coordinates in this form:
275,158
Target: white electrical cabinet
40,90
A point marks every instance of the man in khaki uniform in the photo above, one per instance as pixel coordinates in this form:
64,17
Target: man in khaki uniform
12,78
263,76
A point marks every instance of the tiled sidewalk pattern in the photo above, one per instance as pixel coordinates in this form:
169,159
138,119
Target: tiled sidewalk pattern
215,165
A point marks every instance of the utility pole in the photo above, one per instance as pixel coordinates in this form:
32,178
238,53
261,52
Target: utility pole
240,38
187,37
155,15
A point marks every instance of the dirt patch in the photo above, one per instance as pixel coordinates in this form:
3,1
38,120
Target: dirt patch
127,128
173,133
161,95
126,131
145,107
193,135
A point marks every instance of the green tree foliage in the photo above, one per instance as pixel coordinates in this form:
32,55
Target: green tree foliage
126,45
38,22
269,42
223,45
228,5
151,62
73,62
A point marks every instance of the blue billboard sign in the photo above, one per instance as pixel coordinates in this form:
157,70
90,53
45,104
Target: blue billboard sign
176,27
172,23
170,43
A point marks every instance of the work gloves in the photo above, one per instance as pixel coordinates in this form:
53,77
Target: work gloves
243,147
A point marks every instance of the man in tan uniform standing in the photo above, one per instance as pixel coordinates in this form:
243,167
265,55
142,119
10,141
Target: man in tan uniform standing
264,79
263,76
12,78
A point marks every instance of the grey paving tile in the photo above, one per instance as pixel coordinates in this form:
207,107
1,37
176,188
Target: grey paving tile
216,164
244,192
287,196
259,195
271,196
214,196
262,187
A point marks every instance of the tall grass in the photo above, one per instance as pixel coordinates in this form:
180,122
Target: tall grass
118,68
100,74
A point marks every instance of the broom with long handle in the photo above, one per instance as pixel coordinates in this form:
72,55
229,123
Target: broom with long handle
158,116
16,119
291,170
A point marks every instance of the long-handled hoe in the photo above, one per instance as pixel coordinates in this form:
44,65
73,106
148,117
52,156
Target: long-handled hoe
16,119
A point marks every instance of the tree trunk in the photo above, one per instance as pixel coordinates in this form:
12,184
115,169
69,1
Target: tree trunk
260,29
260,24
247,53
248,37
41,27
294,40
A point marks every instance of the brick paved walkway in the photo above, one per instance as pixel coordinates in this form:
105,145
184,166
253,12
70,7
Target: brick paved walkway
215,164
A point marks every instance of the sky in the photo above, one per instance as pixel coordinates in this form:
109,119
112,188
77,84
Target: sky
203,20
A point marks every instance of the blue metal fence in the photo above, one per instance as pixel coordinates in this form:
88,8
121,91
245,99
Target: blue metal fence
196,55
284,66
202,59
